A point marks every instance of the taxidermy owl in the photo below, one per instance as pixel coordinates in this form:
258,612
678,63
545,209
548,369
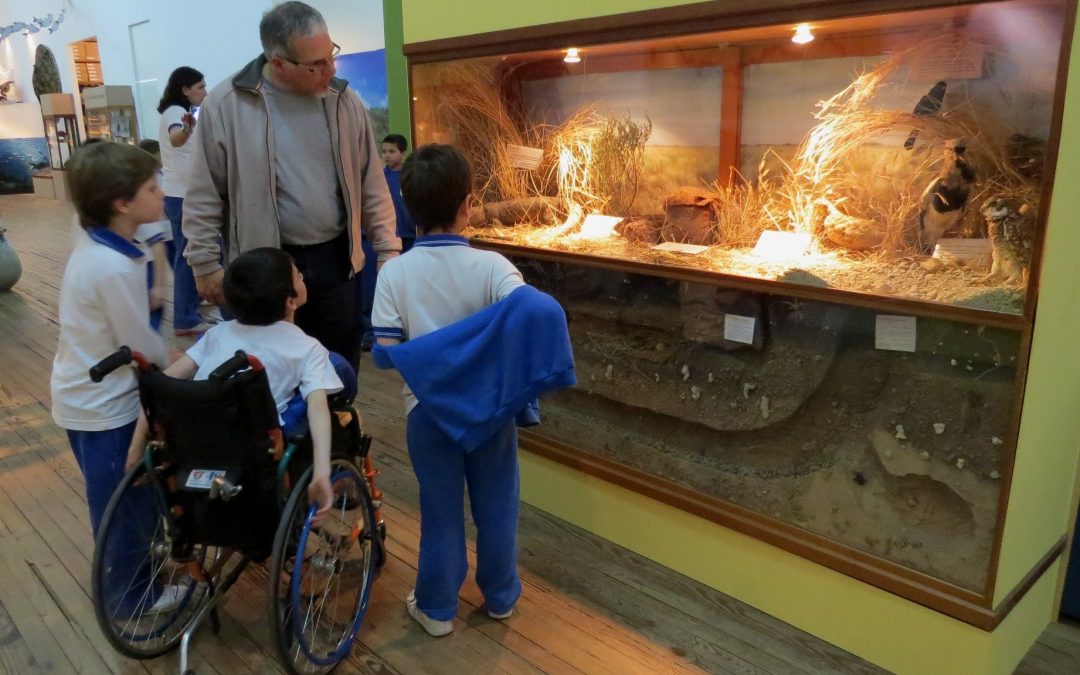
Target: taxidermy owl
1010,224
945,198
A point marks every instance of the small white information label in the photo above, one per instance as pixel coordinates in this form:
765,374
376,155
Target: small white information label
895,333
200,479
524,157
739,328
971,252
676,247
777,245
597,226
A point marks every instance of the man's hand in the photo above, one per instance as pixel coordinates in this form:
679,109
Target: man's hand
320,492
210,287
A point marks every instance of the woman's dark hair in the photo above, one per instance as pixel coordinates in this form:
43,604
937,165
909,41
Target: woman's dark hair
435,180
101,173
174,90
257,284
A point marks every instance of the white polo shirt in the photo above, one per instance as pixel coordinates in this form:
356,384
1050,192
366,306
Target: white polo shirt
104,304
440,281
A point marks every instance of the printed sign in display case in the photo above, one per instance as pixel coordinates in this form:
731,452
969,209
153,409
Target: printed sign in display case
800,261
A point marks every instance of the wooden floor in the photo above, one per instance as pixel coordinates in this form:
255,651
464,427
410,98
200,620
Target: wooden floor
588,606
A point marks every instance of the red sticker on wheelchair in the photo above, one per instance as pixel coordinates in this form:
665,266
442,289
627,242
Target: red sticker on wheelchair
200,479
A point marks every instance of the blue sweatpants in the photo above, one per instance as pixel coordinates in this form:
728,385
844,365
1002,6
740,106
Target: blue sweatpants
443,470
101,455
185,295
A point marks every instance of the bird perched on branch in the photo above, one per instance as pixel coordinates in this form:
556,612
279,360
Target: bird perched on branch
945,198
928,105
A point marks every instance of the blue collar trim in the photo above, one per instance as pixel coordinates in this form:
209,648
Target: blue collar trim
107,237
441,240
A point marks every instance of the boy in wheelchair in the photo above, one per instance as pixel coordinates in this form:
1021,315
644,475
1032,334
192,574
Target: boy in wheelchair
264,289
210,483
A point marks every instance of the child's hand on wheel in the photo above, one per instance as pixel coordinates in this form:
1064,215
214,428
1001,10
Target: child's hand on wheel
320,492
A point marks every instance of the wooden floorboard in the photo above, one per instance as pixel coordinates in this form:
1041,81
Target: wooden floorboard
588,605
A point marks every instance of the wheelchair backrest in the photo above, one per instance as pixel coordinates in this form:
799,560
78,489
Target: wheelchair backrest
218,429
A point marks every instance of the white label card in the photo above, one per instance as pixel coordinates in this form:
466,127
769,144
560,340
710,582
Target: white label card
739,328
895,333
676,247
777,245
974,252
200,479
523,157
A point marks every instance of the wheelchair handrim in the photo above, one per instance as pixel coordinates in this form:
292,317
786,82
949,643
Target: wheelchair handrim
294,595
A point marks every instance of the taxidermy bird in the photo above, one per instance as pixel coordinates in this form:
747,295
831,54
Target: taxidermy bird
928,105
1010,224
945,197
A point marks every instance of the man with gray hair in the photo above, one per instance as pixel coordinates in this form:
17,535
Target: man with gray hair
285,156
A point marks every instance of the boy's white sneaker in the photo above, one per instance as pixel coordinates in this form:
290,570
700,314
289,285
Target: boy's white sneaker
434,627
501,616
170,598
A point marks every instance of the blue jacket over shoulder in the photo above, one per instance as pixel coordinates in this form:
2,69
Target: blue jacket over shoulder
476,375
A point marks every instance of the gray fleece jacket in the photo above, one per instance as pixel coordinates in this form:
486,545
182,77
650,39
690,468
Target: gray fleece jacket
231,193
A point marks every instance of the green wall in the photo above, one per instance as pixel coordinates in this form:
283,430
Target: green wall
397,74
428,20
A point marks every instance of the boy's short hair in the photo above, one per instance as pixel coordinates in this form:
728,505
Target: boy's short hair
150,145
101,173
257,284
398,140
435,180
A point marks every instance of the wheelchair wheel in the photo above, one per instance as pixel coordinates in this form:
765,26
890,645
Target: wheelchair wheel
320,578
144,598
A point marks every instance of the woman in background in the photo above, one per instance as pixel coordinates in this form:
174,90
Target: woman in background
185,91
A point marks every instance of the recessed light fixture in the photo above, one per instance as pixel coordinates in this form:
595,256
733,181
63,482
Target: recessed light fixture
572,55
802,34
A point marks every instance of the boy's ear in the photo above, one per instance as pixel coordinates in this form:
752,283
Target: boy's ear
465,210
121,206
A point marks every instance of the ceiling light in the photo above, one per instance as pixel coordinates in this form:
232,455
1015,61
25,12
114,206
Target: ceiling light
572,55
802,34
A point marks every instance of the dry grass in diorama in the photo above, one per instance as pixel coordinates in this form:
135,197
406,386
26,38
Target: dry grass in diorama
829,172
470,106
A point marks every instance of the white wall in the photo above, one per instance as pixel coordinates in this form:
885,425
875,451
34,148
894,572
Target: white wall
215,36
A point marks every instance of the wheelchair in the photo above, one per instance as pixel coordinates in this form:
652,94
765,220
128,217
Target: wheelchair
220,487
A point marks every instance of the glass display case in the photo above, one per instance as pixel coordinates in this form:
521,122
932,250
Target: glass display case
800,261
61,127
110,114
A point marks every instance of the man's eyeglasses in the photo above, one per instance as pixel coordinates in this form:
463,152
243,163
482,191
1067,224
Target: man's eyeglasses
316,66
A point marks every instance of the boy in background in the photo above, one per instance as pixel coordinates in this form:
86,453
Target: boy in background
393,155
156,235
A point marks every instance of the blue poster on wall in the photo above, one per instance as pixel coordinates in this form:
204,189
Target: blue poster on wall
366,74
20,159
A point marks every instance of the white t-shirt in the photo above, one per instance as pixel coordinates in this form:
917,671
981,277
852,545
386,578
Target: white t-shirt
175,162
104,304
292,358
440,281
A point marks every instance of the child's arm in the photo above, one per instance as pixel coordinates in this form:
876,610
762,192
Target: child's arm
183,369
320,491
157,290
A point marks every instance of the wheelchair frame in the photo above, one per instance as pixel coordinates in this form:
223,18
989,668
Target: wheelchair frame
165,497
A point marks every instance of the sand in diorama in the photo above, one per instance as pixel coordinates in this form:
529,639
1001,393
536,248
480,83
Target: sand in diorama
899,454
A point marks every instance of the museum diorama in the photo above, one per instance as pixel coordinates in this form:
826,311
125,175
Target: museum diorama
800,263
